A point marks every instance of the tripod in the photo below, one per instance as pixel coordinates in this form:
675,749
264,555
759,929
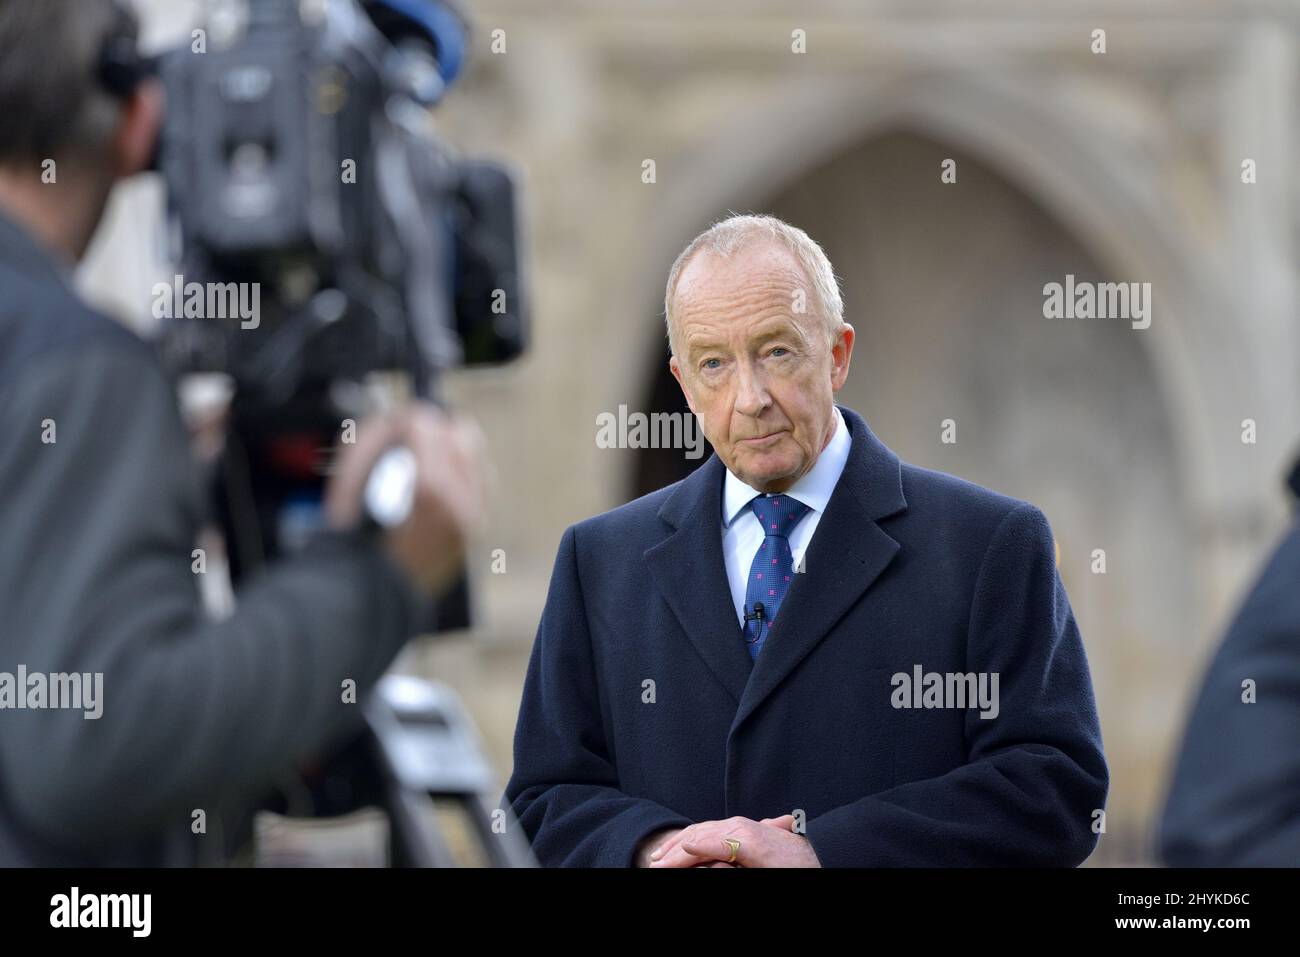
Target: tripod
426,748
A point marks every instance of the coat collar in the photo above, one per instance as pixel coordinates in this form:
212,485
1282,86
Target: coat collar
20,249
847,553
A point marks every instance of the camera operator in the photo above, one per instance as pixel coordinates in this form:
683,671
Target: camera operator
102,503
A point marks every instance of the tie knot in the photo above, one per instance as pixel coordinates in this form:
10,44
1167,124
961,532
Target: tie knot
778,513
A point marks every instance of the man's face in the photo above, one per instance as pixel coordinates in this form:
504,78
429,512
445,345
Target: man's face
760,375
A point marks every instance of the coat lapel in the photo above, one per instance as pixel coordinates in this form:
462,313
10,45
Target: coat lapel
690,573
846,554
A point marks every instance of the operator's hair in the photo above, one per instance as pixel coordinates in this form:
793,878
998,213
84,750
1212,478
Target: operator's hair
51,101
738,232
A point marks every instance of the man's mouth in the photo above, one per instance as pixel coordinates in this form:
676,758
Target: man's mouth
761,439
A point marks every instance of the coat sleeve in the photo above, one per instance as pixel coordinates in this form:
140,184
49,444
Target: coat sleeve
1035,777
564,789
1235,795
97,577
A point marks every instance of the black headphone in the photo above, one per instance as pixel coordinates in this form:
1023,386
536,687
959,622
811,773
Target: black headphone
122,68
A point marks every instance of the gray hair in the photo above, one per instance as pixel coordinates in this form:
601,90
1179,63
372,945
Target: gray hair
50,93
737,232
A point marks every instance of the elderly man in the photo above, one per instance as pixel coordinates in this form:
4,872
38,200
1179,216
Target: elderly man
774,662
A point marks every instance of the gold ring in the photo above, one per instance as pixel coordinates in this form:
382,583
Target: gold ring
735,846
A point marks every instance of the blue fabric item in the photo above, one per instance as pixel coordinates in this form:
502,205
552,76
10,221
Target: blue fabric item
772,569
641,710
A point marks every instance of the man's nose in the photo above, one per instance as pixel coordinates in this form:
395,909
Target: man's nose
751,391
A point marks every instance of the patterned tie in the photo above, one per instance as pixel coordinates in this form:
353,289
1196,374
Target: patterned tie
772,571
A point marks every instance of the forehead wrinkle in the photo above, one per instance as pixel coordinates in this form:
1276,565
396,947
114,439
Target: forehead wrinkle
721,316
703,335
758,298
710,286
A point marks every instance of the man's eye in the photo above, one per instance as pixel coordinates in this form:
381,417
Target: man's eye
707,364
778,349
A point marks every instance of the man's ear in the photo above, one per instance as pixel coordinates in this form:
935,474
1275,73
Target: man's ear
675,368
137,134
841,354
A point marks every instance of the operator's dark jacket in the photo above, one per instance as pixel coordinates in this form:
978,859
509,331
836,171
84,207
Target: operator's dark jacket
95,576
1234,800
907,567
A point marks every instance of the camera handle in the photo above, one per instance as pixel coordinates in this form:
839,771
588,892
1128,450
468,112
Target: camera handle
390,489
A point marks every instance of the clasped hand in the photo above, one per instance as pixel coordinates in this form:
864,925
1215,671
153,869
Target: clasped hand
766,843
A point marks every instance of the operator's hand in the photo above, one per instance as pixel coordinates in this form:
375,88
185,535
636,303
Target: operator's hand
448,488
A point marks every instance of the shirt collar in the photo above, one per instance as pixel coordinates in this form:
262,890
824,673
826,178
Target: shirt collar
814,488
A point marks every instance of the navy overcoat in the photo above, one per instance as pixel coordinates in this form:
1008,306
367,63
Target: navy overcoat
642,710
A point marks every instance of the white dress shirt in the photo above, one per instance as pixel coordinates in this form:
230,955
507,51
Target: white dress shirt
742,532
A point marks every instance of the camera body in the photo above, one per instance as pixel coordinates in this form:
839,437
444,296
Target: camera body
304,174
299,154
